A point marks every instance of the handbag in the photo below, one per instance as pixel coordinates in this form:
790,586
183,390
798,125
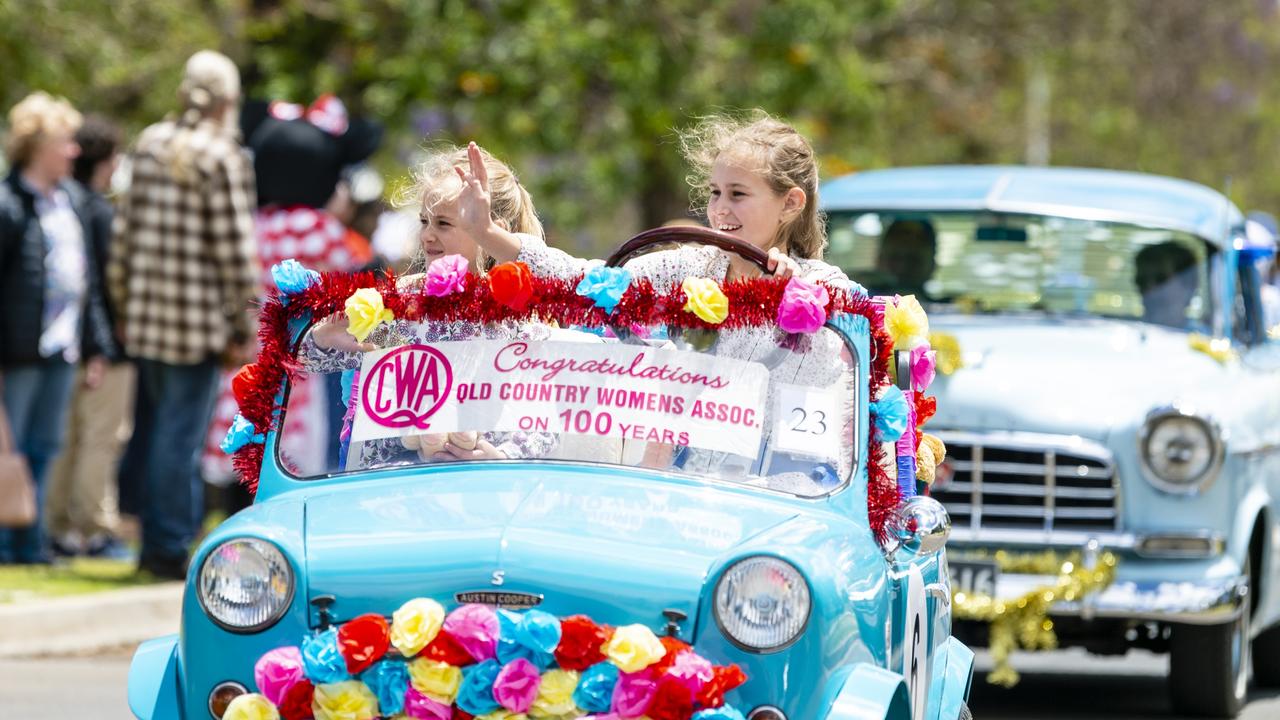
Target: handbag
17,489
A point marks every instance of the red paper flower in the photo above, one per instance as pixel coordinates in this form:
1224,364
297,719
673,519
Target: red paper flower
671,701
512,285
581,641
363,641
296,704
725,679
925,408
674,646
460,714
245,380
447,650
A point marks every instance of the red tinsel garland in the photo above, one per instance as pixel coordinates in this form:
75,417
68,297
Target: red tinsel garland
752,303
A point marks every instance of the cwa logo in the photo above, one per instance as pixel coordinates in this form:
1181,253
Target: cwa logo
406,386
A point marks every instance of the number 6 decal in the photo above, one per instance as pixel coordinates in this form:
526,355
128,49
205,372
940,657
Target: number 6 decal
915,645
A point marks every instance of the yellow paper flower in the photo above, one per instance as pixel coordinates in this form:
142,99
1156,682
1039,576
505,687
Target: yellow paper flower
251,706
346,700
705,299
906,323
415,625
555,696
438,681
502,714
365,312
634,648
1217,348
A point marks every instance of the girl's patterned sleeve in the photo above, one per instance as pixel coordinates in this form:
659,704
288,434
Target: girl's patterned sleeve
819,271
546,261
521,444
316,359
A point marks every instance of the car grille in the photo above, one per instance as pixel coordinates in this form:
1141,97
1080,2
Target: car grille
1028,481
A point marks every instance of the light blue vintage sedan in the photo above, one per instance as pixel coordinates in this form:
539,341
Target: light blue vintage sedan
661,480
1116,391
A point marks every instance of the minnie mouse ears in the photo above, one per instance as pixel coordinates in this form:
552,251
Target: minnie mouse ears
299,152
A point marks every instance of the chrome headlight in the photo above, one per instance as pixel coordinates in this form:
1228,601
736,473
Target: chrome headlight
245,585
1181,452
762,604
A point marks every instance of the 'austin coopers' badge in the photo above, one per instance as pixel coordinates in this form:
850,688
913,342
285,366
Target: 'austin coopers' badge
509,600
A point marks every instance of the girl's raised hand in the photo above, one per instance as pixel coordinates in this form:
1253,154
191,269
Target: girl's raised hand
474,206
782,265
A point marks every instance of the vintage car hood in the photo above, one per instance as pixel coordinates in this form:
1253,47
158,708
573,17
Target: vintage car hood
620,546
1083,377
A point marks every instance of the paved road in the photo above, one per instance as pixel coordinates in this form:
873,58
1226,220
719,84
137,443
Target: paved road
1055,686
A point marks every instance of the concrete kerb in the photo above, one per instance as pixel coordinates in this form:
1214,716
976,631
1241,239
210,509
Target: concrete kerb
82,624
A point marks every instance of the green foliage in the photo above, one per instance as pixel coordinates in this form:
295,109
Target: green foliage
585,96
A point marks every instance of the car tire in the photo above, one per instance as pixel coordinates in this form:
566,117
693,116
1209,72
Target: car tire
1209,666
1266,658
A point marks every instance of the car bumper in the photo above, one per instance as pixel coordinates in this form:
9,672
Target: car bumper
1195,591
153,680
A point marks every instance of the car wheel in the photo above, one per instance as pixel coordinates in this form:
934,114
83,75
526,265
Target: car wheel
1209,666
1266,658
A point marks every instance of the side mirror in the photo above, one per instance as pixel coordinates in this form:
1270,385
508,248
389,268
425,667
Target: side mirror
920,526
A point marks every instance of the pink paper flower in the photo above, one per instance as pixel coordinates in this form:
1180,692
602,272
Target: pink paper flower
418,705
516,686
923,362
446,276
277,671
633,694
692,670
475,628
803,308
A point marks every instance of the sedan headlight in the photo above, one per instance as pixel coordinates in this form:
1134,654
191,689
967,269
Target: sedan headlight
762,604
1181,452
245,585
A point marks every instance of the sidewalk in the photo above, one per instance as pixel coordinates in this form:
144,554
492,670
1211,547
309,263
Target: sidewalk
91,622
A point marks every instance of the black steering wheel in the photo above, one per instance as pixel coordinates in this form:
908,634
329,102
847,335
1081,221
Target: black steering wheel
684,235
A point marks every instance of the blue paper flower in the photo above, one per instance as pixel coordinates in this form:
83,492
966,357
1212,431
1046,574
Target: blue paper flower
724,712
322,659
595,688
292,278
240,434
605,286
891,414
389,680
532,635
476,693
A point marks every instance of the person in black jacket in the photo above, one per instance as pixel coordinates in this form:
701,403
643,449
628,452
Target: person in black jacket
82,505
52,309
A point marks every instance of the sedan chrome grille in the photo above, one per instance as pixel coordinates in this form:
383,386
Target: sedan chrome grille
1028,481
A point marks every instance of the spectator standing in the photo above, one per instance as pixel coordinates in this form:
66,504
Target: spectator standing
182,276
81,503
47,291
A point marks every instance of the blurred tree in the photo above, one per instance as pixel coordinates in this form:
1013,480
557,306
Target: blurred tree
584,95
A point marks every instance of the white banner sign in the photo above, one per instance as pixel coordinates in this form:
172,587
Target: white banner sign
619,391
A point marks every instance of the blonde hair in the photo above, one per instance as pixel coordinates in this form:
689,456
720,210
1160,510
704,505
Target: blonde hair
434,180
33,119
781,156
209,91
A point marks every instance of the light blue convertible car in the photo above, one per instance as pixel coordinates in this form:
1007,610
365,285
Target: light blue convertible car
689,482
1112,390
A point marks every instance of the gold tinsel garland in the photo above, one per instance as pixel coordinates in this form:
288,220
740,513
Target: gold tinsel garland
1024,622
